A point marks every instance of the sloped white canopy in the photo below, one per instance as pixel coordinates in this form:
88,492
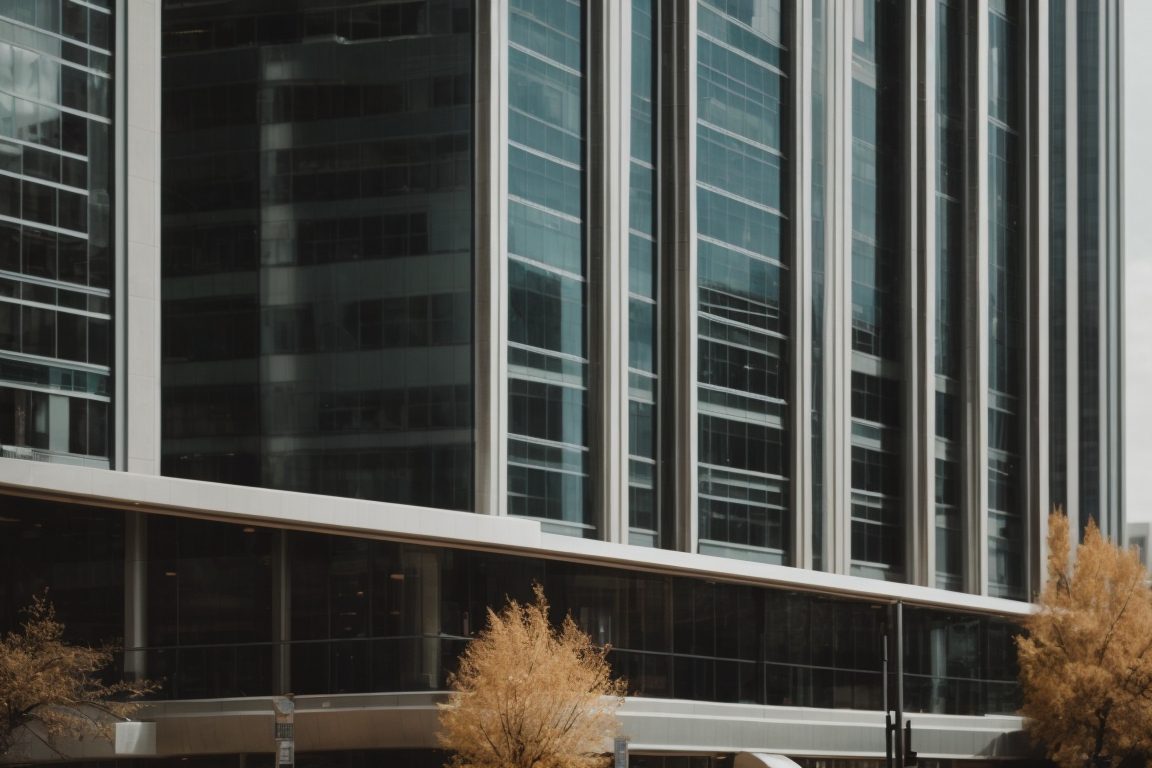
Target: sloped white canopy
763,760
136,739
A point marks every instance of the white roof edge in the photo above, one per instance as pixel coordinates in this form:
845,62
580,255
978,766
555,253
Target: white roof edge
168,495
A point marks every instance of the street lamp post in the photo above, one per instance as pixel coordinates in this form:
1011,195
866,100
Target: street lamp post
285,728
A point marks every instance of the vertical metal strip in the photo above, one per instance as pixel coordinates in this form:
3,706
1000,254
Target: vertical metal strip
687,307
120,233
1111,325
490,168
839,293
609,90
914,437
1102,342
1037,457
673,235
925,501
676,243
800,45
676,246
1072,262
1116,426
976,377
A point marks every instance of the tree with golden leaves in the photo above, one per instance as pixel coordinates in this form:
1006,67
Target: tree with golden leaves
1086,659
49,689
528,695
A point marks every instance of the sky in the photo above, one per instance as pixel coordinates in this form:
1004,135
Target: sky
1137,162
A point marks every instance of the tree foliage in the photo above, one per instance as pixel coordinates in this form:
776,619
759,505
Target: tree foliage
53,687
1086,660
528,695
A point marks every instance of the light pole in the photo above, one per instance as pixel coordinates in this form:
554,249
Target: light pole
284,732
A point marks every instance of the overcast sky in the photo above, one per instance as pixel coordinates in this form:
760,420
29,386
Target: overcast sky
1138,255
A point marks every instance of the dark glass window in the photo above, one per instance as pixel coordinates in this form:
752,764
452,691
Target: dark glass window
341,257
1006,272
877,278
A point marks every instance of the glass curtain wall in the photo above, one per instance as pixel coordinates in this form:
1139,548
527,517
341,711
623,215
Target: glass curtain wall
317,247
643,279
1006,548
56,230
548,461
950,143
742,378
877,548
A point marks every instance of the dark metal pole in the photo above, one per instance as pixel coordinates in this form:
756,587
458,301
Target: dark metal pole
884,691
898,652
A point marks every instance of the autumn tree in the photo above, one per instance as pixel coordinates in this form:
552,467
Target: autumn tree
528,695
50,688
1086,659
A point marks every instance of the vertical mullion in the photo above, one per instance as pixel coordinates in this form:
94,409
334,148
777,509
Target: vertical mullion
925,379
976,377
610,89
839,281
800,96
1037,445
913,436
676,246
1071,266
490,225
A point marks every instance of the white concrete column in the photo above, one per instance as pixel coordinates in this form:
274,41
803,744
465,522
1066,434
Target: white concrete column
490,169
976,307
612,82
137,216
915,439
1037,447
838,293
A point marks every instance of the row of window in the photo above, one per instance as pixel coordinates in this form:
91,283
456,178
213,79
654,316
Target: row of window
240,410
232,327
84,24
365,615
50,333
347,23
53,422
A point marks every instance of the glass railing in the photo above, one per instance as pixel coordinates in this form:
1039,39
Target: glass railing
422,663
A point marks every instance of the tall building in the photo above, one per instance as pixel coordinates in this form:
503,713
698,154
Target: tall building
735,323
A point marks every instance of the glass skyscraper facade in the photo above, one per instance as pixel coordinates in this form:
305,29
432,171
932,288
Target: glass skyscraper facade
320,272
737,322
56,225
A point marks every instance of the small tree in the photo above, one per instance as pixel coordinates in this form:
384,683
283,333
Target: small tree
1086,660
51,686
531,696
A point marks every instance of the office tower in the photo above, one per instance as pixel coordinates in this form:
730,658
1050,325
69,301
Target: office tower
736,323
56,231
